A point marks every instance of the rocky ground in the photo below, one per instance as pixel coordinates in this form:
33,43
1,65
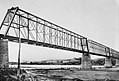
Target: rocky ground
100,74
10,74
61,74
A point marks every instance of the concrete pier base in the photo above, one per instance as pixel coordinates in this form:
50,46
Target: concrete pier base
86,62
108,63
117,63
4,60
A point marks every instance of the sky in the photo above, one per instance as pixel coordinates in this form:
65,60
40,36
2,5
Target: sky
95,19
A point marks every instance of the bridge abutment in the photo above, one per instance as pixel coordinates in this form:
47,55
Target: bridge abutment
108,62
117,63
86,62
4,59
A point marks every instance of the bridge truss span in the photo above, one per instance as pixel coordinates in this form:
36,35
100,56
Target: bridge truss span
35,30
96,47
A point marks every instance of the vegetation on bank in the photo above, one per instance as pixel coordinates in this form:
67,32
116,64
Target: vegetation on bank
74,61
10,74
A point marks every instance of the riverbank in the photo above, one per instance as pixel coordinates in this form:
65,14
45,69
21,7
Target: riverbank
77,74
59,74
10,74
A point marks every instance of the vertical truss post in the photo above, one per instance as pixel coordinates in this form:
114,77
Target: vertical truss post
67,40
77,43
18,71
44,32
50,35
36,31
28,28
109,52
82,45
57,35
87,45
105,51
74,42
71,41
64,39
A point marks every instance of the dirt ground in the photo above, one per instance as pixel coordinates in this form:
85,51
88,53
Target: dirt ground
75,73
62,74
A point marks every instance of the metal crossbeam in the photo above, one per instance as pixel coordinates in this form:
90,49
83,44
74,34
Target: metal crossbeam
38,31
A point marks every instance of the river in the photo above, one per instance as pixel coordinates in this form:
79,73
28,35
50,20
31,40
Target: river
49,66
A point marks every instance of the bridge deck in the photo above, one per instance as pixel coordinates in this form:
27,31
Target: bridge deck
32,42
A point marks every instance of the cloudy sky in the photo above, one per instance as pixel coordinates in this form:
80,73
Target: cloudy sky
94,19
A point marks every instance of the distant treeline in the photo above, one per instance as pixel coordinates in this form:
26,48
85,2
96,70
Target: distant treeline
75,61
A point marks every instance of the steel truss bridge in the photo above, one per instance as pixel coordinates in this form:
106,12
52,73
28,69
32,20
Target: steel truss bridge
34,30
